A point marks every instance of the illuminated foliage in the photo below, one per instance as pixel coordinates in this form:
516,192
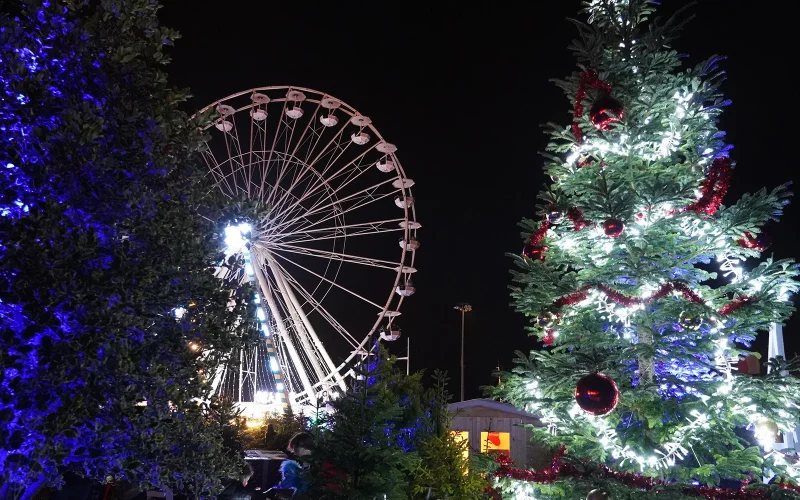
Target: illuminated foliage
100,240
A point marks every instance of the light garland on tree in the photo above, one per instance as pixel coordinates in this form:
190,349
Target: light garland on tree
679,445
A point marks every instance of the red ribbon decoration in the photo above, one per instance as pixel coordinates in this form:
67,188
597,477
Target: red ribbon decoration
560,469
589,78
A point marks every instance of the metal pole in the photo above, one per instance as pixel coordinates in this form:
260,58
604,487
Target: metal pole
464,308
776,349
462,355
241,372
408,356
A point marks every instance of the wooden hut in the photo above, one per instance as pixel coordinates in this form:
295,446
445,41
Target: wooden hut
493,427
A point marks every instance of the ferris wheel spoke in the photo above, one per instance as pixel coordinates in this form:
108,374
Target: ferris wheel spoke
317,353
310,125
234,149
342,257
340,287
289,202
262,156
316,306
323,181
343,231
327,150
337,214
219,176
340,205
300,238
286,133
357,171
276,134
263,159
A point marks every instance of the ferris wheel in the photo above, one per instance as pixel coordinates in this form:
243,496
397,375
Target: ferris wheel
333,256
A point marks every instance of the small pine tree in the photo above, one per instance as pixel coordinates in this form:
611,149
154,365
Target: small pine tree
366,444
443,468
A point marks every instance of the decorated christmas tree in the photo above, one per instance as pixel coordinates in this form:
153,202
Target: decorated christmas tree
645,289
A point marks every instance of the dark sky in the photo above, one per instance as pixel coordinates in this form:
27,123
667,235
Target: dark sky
462,91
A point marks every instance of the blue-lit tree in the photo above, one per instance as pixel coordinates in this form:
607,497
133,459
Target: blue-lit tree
636,279
387,437
105,228
365,445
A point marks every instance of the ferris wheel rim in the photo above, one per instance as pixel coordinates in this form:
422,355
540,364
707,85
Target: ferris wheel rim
407,223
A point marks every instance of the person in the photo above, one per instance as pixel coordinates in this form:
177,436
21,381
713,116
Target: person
292,482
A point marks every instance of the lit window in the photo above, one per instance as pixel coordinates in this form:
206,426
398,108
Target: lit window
496,442
462,438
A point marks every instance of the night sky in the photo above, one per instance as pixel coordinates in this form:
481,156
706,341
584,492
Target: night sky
462,91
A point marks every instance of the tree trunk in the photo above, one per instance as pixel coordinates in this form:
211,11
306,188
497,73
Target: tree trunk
33,488
647,367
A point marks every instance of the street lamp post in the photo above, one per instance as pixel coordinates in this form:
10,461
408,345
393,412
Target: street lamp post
464,308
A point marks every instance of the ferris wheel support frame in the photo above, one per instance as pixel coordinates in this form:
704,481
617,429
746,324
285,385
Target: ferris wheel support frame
293,354
298,320
316,345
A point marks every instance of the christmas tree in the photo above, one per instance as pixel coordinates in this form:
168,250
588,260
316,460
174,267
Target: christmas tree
645,289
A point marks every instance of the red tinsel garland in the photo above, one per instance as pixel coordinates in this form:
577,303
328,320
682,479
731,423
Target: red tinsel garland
589,78
713,189
748,241
538,235
737,303
572,298
626,300
576,217
560,469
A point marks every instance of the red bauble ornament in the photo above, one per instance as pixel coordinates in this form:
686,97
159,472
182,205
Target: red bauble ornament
597,394
750,365
605,112
534,252
613,227
549,337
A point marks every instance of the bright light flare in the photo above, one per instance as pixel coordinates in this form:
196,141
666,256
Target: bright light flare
235,237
